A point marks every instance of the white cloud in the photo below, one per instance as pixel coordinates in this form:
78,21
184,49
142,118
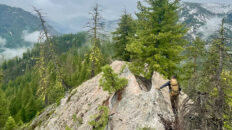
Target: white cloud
70,15
31,37
193,11
211,26
66,12
217,8
10,53
2,42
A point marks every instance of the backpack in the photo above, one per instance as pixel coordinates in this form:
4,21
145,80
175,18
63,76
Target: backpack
174,87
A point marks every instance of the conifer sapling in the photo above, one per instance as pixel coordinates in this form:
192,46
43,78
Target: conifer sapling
110,81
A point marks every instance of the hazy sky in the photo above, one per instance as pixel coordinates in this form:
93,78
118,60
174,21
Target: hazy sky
207,1
71,15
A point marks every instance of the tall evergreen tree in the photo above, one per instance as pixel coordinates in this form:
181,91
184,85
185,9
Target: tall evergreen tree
217,64
191,79
190,72
30,109
125,30
4,113
212,98
10,124
95,25
159,38
47,53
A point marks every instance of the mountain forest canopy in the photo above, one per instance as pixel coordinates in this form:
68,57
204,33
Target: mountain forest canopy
153,40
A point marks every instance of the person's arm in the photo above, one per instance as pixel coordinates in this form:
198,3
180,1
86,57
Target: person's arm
165,85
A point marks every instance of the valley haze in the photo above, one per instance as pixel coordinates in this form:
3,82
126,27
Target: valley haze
72,16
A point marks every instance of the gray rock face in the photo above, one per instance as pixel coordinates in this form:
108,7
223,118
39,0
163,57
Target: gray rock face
136,109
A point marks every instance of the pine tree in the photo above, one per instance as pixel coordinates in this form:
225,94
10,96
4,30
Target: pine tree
15,104
26,95
10,124
217,64
47,53
30,109
227,82
101,119
95,25
191,79
212,98
191,68
159,38
125,30
4,113
110,81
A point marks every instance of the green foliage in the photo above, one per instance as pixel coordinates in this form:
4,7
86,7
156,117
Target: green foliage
69,41
153,42
16,67
21,93
21,82
227,81
75,66
10,124
3,109
207,76
110,81
122,69
74,117
70,96
29,78
158,41
217,81
80,120
76,63
100,120
31,109
96,59
121,36
214,71
67,128
58,100
146,128
191,68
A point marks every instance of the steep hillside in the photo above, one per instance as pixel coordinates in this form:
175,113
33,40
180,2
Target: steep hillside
204,20
21,80
139,105
18,30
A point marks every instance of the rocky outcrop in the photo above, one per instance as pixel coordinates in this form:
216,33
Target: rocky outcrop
140,105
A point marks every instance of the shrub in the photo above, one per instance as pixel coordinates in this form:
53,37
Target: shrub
146,128
80,120
110,81
10,124
100,120
74,117
67,128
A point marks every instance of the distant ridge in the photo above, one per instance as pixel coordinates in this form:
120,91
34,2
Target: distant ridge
19,30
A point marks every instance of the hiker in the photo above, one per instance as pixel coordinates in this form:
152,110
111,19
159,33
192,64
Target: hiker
174,90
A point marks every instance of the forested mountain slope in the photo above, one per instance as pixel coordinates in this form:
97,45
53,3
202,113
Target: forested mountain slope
21,75
19,30
62,81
